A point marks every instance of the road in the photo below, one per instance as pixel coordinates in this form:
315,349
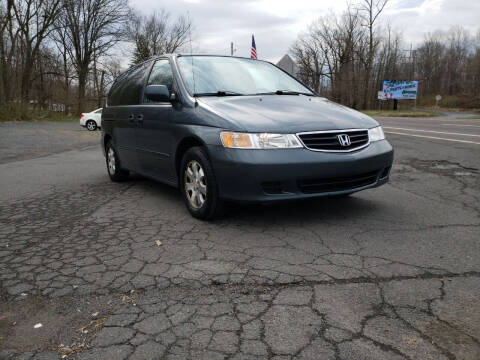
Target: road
450,128
121,271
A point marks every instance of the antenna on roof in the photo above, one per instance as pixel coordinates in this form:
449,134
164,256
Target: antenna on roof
191,57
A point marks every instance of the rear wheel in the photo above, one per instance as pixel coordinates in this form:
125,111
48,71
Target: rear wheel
91,125
115,172
198,185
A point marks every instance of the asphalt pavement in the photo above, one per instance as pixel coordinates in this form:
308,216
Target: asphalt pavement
90,269
450,128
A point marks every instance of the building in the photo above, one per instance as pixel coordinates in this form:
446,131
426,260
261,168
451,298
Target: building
287,64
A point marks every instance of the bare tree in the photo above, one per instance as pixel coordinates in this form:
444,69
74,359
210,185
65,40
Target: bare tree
98,75
113,69
342,44
92,28
35,19
329,52
8,40
63,47
370,11
310,60
156,34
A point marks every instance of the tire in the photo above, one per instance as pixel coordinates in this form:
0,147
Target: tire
116,173
91,125
199,186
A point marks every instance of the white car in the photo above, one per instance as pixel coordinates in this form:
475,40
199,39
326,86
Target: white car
91,120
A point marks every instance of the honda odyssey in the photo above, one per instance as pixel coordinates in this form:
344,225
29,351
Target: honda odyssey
225,128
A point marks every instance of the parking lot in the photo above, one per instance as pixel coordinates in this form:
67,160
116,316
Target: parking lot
122,271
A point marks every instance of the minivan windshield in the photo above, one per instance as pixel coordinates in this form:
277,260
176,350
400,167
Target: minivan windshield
231,76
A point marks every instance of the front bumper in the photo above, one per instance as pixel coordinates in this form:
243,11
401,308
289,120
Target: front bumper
273,175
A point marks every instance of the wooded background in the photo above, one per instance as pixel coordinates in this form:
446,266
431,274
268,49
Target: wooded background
347,57
60,56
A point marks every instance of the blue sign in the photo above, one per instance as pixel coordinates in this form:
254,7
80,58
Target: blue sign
400,90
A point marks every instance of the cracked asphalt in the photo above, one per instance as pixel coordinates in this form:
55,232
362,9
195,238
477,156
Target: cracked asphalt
121,271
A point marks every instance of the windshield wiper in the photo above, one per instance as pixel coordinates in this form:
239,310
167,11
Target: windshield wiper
218,93
285,92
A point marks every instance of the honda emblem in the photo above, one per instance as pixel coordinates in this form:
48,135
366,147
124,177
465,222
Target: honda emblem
344,139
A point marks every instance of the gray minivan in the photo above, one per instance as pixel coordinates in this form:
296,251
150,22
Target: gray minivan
230,128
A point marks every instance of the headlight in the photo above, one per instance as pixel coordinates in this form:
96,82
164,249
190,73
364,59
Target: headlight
259,141
376,134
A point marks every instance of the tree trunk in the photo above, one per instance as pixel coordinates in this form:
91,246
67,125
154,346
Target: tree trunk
82,83
6,82
26,76
368,71
101,89
66,83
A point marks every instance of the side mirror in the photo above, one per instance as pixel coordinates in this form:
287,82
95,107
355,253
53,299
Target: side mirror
157,93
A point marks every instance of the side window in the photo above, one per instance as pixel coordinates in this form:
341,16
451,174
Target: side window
129,89
161,74
133,88
115,94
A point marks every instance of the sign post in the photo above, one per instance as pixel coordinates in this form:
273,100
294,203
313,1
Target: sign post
437,99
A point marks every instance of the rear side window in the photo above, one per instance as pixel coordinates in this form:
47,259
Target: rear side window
128,91
161,74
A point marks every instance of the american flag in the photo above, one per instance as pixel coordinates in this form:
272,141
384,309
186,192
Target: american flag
253,54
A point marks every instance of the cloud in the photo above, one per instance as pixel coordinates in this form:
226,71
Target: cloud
276,23
427,16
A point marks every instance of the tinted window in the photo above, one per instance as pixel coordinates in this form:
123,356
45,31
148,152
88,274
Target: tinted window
99,111
114,94
161,74
128,91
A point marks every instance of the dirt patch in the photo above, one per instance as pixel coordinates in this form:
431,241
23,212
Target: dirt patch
64,322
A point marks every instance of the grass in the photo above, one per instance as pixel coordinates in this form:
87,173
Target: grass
18,112
461,102
400,113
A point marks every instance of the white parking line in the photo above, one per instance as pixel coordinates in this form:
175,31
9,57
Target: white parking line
430,131
462,125
433,137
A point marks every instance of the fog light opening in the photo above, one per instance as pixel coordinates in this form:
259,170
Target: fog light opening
385,172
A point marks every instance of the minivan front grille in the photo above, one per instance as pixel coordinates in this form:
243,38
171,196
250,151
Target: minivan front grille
330,140
320,185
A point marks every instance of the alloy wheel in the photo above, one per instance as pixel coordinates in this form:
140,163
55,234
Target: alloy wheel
91,125
111,161
195,184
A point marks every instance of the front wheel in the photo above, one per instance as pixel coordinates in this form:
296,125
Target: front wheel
91,125
198,185
115,172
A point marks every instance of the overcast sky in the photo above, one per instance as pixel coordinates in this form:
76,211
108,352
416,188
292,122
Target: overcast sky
276,23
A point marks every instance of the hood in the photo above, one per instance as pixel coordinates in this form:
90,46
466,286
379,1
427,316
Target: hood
285,113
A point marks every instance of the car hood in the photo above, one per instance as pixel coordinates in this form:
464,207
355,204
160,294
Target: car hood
285,113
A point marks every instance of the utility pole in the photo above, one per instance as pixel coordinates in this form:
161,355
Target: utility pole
411,65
